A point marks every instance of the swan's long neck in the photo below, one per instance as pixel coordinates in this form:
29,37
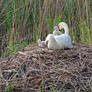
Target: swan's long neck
66,29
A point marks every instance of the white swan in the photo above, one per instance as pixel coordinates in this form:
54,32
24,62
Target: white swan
61,41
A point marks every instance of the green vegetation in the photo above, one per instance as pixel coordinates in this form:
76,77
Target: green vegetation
41,89
54,89
8,88
23,22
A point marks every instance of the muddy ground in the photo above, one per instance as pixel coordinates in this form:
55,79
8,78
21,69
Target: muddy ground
34,68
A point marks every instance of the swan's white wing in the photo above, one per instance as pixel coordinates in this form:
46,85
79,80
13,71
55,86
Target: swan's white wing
48,37
66,40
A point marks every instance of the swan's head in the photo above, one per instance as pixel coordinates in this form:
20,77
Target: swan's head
62,25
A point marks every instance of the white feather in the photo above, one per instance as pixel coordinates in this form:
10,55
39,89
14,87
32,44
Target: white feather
60,41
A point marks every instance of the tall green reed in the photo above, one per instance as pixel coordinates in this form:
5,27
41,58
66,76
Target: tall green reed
26,21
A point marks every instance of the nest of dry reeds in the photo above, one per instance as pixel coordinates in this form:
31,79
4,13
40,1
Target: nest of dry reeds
34,67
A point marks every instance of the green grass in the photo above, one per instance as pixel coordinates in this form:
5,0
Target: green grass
29,20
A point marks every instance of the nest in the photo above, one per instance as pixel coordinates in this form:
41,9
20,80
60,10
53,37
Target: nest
34,67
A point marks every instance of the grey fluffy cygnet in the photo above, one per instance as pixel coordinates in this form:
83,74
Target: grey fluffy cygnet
56,31
41,43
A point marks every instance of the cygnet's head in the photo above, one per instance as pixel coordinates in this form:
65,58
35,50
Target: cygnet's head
62,25
56,31
56,28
